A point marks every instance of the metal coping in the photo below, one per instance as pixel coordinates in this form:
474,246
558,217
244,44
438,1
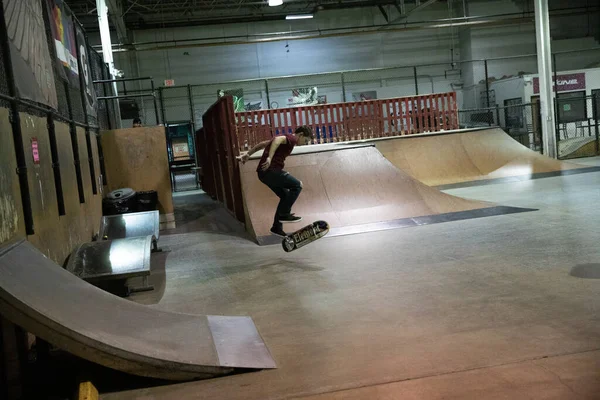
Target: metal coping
423,134
11,244
327,147
371,142
411,222
518,178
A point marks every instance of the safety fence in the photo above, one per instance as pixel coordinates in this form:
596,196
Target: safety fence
352,121
578,124
519,121
474,81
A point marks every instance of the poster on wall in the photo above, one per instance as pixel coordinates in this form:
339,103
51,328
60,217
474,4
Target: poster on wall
363,96
304,97
253,106
30,57
63,32
86,72
181,149
238,98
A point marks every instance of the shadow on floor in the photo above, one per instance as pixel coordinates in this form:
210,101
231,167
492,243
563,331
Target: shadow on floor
197,212
586,271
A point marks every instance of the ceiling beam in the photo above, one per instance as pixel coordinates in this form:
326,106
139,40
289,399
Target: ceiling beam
382,10
212,5
419,6
400,7
116,15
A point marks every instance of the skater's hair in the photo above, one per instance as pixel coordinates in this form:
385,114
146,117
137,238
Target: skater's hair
306,131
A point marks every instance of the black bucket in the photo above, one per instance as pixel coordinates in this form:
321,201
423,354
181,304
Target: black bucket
147,201
120,201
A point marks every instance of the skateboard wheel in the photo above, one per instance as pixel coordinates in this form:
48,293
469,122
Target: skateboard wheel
288,244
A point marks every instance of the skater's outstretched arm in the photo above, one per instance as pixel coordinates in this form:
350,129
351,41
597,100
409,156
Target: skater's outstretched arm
244,157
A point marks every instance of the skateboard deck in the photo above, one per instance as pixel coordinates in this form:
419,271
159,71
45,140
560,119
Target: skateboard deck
304,236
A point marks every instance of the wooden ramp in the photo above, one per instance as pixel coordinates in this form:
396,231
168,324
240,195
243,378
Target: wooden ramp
578,147
446,159
75,316
355,190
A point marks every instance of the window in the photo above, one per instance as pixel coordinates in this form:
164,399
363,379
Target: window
513,113
572,107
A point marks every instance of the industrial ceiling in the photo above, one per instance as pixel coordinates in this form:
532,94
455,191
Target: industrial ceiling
155,14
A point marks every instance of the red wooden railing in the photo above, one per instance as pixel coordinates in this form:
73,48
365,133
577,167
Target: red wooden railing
226,133
352,121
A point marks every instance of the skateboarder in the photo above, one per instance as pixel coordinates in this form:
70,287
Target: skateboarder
270,172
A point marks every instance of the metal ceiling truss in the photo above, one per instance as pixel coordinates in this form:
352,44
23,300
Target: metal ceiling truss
154,14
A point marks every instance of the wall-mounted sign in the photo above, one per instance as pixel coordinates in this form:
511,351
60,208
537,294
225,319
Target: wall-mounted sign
306,96
169,82
254,106
363,96
35,152
566,82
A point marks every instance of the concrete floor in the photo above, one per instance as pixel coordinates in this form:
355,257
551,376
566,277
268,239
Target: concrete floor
474,309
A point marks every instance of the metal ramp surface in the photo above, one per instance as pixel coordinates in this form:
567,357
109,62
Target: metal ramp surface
75,316
130,225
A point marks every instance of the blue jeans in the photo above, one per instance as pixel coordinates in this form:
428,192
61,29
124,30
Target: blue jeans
286,187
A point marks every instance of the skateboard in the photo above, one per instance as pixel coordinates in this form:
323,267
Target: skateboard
304,236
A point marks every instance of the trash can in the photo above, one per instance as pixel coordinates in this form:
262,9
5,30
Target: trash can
120,201
147,200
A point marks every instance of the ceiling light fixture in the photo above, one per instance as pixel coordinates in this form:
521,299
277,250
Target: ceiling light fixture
275,3
301,16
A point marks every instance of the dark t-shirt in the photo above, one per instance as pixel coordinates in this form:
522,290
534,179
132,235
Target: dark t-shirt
281,153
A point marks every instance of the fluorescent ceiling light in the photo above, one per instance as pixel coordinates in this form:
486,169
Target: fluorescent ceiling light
301,16
275,3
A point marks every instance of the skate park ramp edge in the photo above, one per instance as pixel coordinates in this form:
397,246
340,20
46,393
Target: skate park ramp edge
75,316
578,147
356,190
470,158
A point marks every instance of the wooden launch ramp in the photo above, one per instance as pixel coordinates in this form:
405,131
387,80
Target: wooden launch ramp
355,189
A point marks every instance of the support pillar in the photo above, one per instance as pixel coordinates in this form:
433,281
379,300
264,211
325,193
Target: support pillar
544,58
107,54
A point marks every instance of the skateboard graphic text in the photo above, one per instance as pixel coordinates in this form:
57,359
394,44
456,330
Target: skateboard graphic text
304,236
